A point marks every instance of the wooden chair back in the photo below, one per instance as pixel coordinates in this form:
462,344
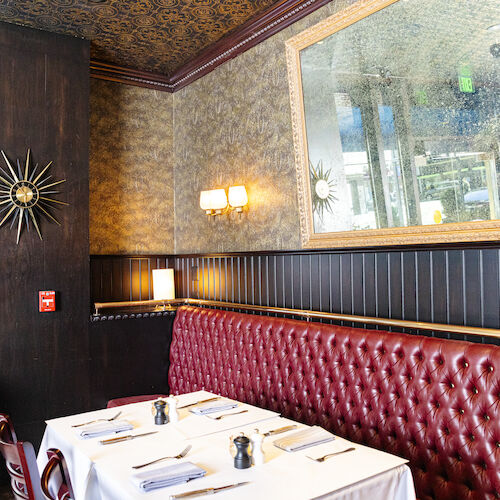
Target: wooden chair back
55,482
21,463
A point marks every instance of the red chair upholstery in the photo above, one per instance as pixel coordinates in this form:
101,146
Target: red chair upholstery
21,464
434,401
112,403
55,481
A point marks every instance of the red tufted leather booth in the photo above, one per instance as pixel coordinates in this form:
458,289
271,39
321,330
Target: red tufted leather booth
435,402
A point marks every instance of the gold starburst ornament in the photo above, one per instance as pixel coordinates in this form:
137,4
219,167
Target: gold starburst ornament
25,195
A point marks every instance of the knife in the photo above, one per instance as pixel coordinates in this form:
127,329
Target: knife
198,402
207,491
125,438
280,430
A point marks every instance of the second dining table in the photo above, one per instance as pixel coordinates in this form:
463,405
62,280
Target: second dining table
105,472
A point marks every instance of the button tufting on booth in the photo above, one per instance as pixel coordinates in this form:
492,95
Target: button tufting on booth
435,402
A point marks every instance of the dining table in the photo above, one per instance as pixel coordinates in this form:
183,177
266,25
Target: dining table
106,472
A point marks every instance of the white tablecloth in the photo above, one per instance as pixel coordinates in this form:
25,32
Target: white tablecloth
103,472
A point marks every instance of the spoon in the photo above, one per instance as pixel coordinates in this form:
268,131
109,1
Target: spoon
182,454
99,420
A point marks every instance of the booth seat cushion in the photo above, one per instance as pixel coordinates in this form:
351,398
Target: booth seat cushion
112,403
435,402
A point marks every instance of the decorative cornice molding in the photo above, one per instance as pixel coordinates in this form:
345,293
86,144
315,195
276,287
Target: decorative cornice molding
111,72
247,36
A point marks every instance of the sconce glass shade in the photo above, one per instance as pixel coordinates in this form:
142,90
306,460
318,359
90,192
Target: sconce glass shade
238,196
218,199
163,284
205,200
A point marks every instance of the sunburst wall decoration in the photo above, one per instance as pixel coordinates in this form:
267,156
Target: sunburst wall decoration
321,189
25,196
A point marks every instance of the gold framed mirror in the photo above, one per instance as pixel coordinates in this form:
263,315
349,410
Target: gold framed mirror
395,115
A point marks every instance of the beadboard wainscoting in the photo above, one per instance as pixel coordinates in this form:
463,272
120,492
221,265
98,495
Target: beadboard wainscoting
454,285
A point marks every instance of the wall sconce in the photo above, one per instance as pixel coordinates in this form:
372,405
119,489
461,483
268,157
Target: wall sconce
163,284
206,202
215,201
238,197
219,201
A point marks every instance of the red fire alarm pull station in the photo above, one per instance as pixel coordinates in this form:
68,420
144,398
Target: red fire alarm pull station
47,301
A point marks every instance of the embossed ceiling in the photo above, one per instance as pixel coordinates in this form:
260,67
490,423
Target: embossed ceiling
154,35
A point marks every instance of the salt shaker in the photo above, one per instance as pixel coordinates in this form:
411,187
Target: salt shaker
160,417
256,440
173,413
242,459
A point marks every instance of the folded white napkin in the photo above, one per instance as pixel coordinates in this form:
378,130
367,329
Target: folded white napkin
102,428
167,476
212,407
303,439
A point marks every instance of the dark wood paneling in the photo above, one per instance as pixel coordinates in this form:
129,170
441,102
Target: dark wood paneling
44,95
129,358
437,284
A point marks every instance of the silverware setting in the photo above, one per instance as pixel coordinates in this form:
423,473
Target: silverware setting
280,430
126,438
99,420
324,457
206,491
227,415
199,402
182,454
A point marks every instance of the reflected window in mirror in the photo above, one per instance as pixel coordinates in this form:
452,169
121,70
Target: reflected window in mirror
397,121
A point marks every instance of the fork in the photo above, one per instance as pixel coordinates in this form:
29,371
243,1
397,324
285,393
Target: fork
323,458
182,454
228,415
99,420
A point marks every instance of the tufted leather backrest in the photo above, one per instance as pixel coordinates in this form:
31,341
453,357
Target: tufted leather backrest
435,402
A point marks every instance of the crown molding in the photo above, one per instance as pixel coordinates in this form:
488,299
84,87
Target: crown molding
122,74
247,36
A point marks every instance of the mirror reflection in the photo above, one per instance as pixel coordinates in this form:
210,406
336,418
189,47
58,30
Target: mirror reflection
401,116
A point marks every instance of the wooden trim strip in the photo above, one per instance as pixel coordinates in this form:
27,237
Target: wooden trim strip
308,314
245,37
101,70
315,251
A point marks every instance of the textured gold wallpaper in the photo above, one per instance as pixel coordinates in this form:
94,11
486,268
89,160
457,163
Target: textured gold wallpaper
131,170
230,127
233,126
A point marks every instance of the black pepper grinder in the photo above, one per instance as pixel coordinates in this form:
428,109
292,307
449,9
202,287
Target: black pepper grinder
242,459
160,417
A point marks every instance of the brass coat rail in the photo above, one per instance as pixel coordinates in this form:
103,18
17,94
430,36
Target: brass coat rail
308,314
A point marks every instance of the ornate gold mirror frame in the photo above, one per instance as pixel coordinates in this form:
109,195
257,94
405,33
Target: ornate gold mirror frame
482,230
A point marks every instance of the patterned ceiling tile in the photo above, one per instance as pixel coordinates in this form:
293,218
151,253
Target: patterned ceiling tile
154,35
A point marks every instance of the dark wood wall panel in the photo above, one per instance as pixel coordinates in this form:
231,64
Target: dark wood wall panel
129,357
127,278
443,285
44,92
